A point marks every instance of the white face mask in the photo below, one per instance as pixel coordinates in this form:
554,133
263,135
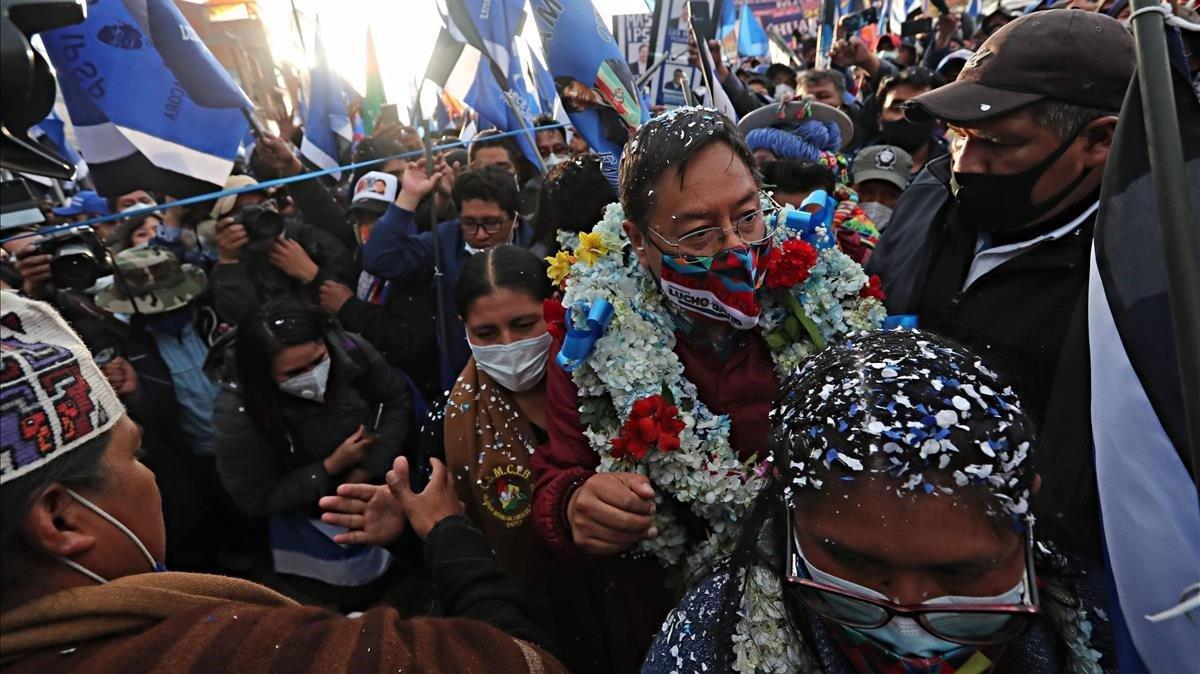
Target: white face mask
518,366
905,636
309,385
879,213
555,159
512,234
154,566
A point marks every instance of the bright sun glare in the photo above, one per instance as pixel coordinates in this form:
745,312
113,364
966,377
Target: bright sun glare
404,32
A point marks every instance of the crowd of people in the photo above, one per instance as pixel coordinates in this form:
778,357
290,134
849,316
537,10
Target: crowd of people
379,425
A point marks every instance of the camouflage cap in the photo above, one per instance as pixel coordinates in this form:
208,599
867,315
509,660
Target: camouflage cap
153,279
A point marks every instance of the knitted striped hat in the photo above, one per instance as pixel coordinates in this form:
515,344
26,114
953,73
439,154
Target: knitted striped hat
53,397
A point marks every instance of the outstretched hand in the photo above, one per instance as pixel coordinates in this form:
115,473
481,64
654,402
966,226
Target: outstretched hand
370,512
437,502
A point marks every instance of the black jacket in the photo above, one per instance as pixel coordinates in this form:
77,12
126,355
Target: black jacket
237,289
1017,315
263,478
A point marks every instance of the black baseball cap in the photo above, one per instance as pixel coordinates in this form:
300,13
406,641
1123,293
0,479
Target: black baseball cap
1068,55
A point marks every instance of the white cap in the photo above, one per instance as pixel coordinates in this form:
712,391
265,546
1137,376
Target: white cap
374,191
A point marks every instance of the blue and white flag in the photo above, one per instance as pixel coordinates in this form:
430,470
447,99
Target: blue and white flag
327,129
53,129
591,76
1148,501
499,93
974,8
151,107
752,39
727,24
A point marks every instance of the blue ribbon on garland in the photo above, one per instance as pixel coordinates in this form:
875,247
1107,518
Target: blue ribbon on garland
580,342
806,223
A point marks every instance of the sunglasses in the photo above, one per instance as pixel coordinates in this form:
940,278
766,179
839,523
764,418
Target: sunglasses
967,624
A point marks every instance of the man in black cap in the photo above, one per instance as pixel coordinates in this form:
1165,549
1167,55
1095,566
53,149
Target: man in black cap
990,245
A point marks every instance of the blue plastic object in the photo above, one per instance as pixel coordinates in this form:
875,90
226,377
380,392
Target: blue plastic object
580,342
806,223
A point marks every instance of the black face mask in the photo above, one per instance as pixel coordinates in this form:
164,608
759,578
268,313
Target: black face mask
1003,203
906,135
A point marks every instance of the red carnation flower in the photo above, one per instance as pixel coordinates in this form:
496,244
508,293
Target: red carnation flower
651,423
555,315
790,265
873,288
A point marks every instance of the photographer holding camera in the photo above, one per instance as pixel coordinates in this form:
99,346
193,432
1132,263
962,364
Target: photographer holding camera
263,255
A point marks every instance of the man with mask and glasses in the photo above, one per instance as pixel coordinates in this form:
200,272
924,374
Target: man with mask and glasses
488,206
990,245
696,223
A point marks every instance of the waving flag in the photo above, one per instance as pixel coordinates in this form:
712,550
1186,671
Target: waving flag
53,129
543,83
499,93
727,28
591,76
974,8
1148,502
752,39
374,99
327,129
151,107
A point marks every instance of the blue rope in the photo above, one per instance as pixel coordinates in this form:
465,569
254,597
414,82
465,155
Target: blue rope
258,187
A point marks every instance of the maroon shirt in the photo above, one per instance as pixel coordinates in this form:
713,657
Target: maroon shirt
631,597
743,386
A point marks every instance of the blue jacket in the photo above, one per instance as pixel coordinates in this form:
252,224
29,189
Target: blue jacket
399,252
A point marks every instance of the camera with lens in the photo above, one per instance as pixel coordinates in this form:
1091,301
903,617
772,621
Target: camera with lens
77,257
263,224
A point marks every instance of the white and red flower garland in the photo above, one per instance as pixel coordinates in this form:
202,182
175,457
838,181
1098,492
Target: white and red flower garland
643,415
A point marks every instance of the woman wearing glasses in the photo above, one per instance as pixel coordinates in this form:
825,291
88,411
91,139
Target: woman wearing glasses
894,535
487,201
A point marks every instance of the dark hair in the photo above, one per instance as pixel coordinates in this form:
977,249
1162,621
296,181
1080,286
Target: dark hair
80,467
549,120
506,266
1065,119
572,199
490,183
780,71
798,176
485,139
373,147
668,142
759,79
871,375
122,235
917,77
260,337
816,76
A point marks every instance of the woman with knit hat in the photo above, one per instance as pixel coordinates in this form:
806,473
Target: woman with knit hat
82,535
807,132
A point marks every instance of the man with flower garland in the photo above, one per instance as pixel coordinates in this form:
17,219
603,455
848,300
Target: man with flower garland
687,324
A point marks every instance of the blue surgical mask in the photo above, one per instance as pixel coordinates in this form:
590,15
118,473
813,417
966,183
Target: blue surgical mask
154,565
905,636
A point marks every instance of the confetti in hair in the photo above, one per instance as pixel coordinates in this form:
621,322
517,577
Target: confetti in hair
909,406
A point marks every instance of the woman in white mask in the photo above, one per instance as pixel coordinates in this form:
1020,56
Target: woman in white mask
894,534
496,417
304,407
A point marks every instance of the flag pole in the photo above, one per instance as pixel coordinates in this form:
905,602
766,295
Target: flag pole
435,244
1165,150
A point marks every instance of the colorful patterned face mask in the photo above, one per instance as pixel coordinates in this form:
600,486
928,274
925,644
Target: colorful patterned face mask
719,288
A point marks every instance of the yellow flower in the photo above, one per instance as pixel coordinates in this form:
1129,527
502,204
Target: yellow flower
560,267
591,247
